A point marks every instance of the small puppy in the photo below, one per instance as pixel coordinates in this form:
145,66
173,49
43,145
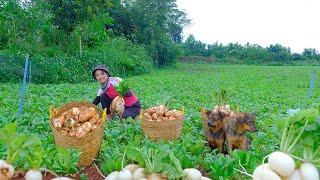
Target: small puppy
213,129
235,127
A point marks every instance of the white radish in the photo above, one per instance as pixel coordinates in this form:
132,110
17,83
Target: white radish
192,174
125,175
281,163
62,178
266,174
154,176
132,167
75,111
139,174
259,170
205,178
294,176
309,172
113,176
33,175
6,170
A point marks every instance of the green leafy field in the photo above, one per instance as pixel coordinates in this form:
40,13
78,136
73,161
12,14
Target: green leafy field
267,90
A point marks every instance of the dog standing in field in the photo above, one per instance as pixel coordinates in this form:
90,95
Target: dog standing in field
235,126
213,128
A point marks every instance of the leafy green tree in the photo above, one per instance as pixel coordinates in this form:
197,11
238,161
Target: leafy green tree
311,53
69,13
158,24
194,48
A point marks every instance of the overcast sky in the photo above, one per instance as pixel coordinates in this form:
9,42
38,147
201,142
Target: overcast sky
292,23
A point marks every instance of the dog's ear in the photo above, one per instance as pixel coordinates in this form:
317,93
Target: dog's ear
241,117
203,111
254,115
209,113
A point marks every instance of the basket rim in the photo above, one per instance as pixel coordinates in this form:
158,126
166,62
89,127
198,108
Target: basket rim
153,121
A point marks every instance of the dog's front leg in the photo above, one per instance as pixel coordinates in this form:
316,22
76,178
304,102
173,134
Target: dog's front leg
229,146
244,144
220,146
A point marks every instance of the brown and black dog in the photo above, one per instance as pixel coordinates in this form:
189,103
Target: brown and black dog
235,127
213,129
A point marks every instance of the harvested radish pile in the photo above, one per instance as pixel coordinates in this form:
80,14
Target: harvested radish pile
134,172
77,121
162,113
299,155
224,109
281,166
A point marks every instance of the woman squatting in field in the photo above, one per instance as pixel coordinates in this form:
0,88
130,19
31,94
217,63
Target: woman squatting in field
107,93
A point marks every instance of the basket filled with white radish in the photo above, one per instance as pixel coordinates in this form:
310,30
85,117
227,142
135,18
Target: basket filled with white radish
78,125
298,156
161,123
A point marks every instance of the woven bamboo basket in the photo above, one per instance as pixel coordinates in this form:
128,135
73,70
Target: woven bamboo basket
162,130
89,145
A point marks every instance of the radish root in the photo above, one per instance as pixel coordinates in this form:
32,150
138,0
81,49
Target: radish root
99,170
47,170
244,171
